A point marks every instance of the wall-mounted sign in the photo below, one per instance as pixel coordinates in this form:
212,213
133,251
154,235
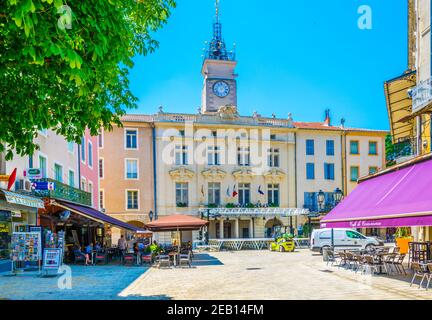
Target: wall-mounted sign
21,199
4,177
43,185
16,214
34,173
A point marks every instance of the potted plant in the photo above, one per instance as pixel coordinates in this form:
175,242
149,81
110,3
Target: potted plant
250,205
212,205
181,205
230,205
403,238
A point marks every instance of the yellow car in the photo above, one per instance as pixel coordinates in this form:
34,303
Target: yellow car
282,245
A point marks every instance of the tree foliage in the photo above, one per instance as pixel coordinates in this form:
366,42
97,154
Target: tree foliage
390,151
64,64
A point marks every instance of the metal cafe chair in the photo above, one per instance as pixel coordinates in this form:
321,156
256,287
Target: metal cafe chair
398,263
418,272
389,262
186,259
100,257
163,259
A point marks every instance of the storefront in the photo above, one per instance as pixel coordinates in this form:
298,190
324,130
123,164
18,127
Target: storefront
396,197
18,213
82,225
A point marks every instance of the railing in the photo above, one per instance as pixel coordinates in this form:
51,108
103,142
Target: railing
252,212
405,148
64,192
204,118
421,95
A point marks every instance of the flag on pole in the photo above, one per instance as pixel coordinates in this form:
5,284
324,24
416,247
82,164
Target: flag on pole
228,192
260,191
234,192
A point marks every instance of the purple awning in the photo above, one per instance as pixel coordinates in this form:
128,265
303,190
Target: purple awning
394,199
97,215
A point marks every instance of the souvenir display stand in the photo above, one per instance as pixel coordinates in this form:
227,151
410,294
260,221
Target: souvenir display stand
26,248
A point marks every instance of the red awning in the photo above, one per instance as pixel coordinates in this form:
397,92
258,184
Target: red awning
176,222
394,199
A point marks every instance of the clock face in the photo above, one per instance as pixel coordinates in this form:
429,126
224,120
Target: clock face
221,89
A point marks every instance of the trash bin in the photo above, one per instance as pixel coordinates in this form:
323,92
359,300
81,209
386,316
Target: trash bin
325,251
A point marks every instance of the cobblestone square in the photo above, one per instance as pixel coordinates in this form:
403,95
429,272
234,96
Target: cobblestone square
219,275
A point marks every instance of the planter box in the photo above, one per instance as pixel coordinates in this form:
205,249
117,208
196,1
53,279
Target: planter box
402,243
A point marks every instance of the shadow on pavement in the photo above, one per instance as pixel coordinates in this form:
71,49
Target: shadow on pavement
205,259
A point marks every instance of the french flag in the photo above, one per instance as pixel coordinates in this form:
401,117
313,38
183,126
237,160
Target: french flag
234,192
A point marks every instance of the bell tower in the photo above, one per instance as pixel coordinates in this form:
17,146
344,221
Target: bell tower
220,86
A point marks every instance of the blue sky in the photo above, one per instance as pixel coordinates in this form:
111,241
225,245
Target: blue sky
293,56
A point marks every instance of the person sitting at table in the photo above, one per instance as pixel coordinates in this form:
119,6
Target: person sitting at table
97,247
89,248
79,253
141,247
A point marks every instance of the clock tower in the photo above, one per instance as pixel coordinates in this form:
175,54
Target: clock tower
220,86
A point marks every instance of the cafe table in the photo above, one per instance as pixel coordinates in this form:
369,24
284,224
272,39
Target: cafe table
174,255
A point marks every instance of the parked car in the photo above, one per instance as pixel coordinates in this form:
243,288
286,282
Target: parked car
343,238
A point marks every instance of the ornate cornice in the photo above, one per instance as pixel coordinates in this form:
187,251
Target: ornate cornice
213,173
243,174
181,174
274,175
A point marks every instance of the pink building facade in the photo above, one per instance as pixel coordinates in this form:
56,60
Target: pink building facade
89,166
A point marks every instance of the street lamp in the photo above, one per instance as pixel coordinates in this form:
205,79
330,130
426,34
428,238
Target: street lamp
338,195
151,216
321,199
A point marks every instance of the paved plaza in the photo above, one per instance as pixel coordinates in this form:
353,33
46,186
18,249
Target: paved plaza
218,275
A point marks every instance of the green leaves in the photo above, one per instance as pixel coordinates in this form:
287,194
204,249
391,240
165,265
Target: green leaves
70,79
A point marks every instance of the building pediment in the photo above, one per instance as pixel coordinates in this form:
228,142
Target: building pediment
228,112
274,175
213,173
243,174
181,174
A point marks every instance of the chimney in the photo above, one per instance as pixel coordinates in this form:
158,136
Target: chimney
327,118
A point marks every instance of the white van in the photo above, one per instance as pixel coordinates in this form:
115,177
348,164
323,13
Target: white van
343,239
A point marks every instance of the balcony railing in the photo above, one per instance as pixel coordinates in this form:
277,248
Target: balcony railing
204,118
64,192
421,95
402,150
252,212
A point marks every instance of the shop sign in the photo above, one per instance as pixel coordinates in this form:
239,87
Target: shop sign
16,214
4,177
23,200
34,173
51,261
43,185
